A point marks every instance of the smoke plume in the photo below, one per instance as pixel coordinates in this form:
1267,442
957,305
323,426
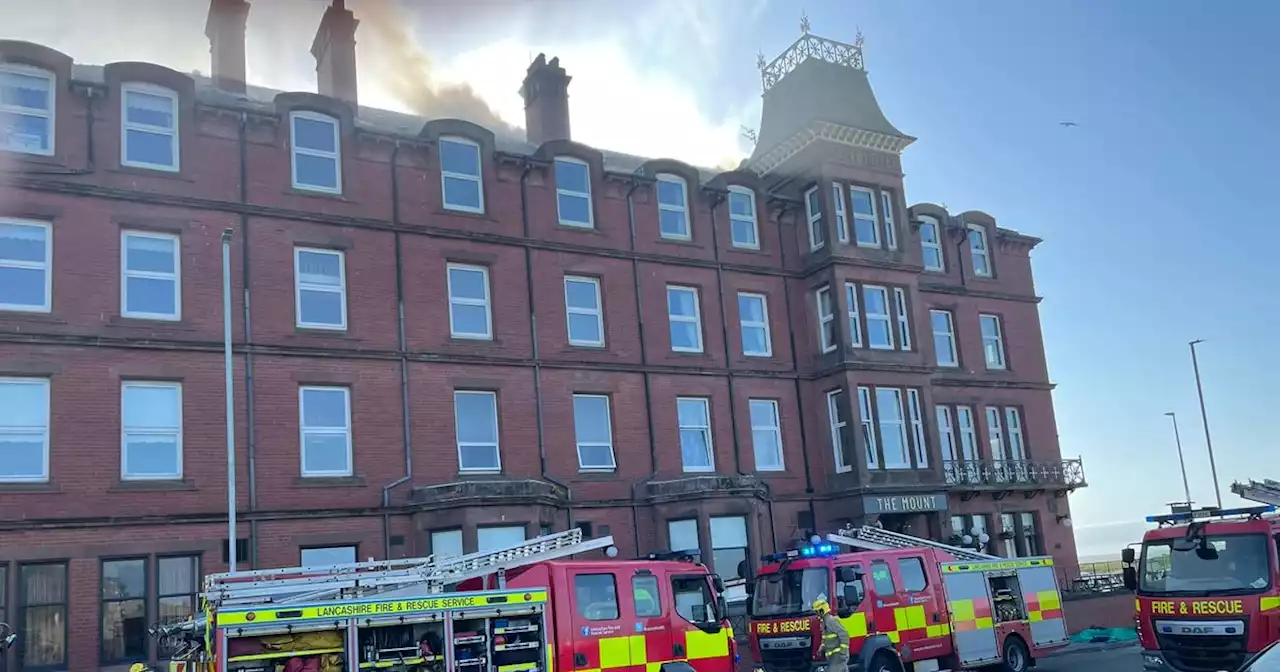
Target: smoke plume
407,72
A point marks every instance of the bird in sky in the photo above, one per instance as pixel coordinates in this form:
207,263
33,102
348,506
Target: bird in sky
1067,123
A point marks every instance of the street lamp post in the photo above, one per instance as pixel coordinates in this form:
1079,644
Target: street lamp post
1204,418
231,418
1178,438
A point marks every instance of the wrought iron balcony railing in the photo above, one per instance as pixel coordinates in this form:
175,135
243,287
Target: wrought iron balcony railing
1013,474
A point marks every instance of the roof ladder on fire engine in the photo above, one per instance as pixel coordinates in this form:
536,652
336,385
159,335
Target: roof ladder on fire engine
312,584
877,539
1265,491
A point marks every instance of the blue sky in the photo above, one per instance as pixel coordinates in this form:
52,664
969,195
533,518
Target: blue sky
1145,208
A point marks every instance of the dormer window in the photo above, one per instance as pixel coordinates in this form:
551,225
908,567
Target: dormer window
27,101
980,251
673,207
149,127
317,157
573,192
931,244
813,213
743,230
460,176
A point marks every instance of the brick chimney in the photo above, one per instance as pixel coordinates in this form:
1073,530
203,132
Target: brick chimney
546,101
335,51
225,30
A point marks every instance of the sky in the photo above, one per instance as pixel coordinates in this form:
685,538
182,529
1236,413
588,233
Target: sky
1139,205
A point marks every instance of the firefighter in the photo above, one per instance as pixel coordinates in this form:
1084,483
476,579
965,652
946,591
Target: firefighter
835,639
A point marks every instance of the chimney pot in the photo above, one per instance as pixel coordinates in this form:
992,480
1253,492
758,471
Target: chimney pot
546,101
225,28
334,49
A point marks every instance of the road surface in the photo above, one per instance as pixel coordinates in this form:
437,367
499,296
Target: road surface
1124,659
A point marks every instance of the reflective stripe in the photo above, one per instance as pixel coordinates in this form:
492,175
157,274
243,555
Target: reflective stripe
952,567
1269,603
973,614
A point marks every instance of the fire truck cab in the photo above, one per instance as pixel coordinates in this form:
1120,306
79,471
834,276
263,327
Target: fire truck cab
906,603
1207,584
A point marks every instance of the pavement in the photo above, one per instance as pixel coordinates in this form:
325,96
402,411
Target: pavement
1110,657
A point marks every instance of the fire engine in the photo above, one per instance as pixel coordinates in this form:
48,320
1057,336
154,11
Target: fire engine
1207,583
7,637
543,612
907,603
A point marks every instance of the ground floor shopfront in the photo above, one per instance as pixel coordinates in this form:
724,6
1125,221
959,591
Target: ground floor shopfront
82,597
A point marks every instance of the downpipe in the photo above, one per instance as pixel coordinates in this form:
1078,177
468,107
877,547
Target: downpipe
406,428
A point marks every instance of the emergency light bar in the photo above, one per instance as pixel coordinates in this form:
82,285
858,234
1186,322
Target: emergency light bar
1205,514
806,551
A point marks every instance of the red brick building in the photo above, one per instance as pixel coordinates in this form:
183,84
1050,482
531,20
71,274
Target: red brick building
447,339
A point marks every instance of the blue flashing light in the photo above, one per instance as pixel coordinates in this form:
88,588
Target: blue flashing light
1205,514
806,551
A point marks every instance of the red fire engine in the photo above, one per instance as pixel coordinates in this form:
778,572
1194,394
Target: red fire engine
905,601
1208,584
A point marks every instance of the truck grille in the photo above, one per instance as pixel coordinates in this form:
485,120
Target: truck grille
1201,653
786,654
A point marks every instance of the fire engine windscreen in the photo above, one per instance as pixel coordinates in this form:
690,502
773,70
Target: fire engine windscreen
791,594
1229,562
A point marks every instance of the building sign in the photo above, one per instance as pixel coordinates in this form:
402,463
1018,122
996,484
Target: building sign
934,501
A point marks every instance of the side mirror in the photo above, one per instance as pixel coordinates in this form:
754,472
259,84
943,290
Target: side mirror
710,628
717,582
1130,578
1127,555
745,570
750,588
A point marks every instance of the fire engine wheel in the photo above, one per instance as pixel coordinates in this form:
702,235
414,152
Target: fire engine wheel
883,662
1016,656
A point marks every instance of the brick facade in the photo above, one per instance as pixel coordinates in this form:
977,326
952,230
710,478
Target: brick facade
396,353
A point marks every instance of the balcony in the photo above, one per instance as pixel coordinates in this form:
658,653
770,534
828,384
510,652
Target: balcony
1001,477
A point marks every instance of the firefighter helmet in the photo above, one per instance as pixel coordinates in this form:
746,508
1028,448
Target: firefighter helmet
821,607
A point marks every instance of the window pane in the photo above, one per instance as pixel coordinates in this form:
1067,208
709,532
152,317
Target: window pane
148,109
648,601
22,456
728,532
320,268
314,134
446,544
683,535
24,403
325,453
178,576
43,592
498,538
29,91
597,596
467,283
584,328
744,233
151,296
470,319
123,579
22,286
671,193
333,555
124,631
317,171
23,242
147,147
591,419
324,408
151,455
476,418
673,223
572,176
694,450
478,458
580,294
24,132
741,205
462,193
684,335
913,576
459,157
682,303
149,254
751,308
574,208
152,406
862,203
320,307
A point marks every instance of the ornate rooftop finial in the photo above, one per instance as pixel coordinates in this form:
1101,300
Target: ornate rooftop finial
760,62
857,39
804,22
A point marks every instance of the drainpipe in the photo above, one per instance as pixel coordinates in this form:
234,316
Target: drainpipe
250,415
644,356
716,199
406,428
795,368
526,168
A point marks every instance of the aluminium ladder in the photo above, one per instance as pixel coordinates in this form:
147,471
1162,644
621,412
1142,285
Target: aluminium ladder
877,539
1265,491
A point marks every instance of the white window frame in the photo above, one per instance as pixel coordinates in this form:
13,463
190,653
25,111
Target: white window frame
679,528
43,385
696,319
947,433
126,125
851,302
754,221
1017,442
336,154
995,433
499,530
915,415
980,251
561,191
950,334
705,428
299,287
997,340
46,267
842,206
175,277
903,317
345,432
886,317
302,553
671,178
569,310
126,431
874,217
775,428
837,426
829,317
967,429
763,325
886,206
442,540
929,222
888,424
487,302
608,421
50,115
478,178
867,420
817,236
497,435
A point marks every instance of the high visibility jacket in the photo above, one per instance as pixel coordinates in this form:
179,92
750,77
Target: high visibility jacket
835,639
